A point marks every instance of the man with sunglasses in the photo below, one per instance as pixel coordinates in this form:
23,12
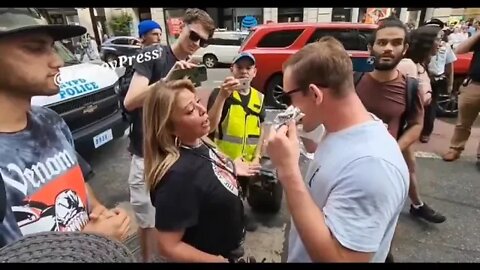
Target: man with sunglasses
347,208
197,28
236,112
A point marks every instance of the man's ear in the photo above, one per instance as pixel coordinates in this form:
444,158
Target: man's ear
316,93
405,49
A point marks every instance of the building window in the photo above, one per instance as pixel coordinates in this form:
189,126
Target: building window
290,14
280,39
341,14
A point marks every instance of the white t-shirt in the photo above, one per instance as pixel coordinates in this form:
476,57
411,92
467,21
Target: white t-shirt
444,56
360,180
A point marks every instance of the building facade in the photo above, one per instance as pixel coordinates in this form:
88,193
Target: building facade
231,18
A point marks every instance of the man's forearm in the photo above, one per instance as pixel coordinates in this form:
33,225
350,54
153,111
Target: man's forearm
410,136
215,112
309,220
449,75
468,44
93,202
137,98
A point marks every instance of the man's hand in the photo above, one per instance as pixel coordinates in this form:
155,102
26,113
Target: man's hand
228,86
244,168
101,211
114,223
283,148
179,65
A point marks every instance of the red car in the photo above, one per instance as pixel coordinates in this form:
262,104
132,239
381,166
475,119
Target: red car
273,43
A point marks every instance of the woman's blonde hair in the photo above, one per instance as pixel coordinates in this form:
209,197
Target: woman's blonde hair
159,143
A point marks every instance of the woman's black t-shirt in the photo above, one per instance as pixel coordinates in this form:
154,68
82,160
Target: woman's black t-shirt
200,196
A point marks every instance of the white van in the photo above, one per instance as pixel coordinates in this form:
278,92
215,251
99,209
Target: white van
222,48
87,101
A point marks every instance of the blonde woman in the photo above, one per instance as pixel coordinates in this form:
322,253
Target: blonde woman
199,213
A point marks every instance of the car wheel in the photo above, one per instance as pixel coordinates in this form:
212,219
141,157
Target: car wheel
210,60
271,92
447,104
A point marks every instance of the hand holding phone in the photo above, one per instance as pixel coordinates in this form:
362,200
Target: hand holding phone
174,71
197,74
244,85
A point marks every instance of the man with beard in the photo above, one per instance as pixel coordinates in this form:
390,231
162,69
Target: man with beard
384,93
197,28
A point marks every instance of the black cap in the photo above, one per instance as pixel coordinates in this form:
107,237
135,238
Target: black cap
435,22
27,20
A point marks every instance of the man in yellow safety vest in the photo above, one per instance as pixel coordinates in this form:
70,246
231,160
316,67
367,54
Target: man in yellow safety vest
236,114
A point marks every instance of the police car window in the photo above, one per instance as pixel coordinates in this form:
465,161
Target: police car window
349,38
280,39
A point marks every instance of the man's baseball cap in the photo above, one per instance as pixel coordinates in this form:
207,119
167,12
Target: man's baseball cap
243,56
146,26
27,20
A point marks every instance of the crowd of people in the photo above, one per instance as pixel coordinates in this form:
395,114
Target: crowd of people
190,164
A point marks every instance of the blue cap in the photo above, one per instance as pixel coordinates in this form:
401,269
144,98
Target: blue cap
146,26
244,55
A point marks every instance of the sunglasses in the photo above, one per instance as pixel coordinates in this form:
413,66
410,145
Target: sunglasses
194,36
284,97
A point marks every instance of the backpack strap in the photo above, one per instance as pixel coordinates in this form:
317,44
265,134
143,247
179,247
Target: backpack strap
411,93
247,110
357,76
3,200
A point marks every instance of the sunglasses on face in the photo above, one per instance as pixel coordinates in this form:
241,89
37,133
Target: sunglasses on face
286,97
194,36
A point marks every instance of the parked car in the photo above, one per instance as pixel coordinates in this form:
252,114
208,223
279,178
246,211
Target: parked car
114,47
272,44
87,101
221,49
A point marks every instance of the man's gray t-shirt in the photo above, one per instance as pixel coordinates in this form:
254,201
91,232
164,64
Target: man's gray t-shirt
360,181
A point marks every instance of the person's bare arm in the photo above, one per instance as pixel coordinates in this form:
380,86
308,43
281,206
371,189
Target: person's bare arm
215,112
468,44
449,73
137,92
172,247
95,206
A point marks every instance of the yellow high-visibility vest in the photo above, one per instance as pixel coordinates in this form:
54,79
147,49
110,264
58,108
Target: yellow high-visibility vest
240,130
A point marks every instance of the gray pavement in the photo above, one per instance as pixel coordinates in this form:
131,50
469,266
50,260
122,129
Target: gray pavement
452,188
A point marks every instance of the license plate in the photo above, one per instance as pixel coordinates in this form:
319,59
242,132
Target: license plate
102,138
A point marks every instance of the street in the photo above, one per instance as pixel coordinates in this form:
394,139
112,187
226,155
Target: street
451,188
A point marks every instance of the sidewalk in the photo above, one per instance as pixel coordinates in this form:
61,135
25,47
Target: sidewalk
440,139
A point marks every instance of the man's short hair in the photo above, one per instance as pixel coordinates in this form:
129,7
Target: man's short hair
387,23
325,63
196,15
